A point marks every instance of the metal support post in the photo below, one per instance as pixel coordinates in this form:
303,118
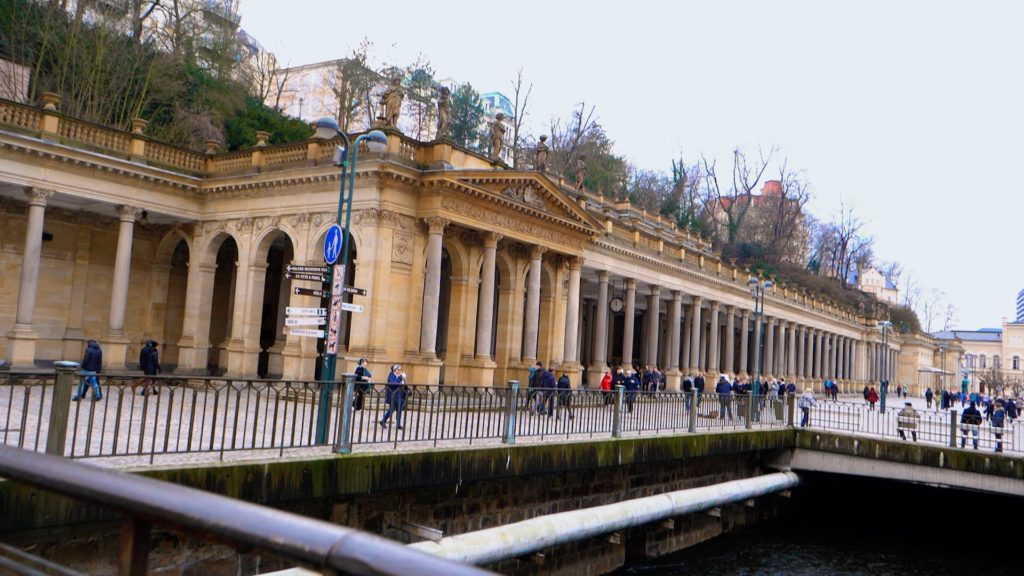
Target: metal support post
952,427
750,411
693,410
791,409
323,412
510,413
620,397
344,442
59,408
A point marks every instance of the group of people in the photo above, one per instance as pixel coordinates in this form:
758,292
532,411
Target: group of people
396,392
92,365
545,393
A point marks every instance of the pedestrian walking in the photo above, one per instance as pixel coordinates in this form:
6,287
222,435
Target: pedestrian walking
362,384
998,422
806,402
906,421
724,391
546,394
91,365
928,397
533,385
564,396
396,394
632,384
970,423
606,386
149,363
872,398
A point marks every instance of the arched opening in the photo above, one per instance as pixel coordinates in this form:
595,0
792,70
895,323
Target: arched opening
222,304
276,293
444,306
174,318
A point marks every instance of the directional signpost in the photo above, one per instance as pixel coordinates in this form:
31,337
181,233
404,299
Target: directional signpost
351,307
310,292
308,277
308,269
307,332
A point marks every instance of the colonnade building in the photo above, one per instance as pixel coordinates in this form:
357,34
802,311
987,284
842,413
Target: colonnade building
472,271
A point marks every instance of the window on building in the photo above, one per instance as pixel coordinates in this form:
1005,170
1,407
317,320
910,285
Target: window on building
981,361
1016,362
996,362
970,361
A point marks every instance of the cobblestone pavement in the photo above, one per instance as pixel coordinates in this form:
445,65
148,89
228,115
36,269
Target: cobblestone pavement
224,421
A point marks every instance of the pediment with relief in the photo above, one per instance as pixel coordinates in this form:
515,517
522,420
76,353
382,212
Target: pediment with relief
528,193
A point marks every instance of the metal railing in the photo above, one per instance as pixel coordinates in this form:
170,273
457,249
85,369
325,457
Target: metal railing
176,415
931,426
143,502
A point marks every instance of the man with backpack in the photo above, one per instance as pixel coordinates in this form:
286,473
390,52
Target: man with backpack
970,421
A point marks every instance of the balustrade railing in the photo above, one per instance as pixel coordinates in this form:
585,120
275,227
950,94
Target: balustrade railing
181,415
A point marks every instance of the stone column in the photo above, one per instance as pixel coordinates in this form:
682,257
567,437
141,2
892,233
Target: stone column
792,366
600,345
744,343
21,340
808,354
532,322
485,305
801,355
730,339
115,342
628,323
832,354
653,314
675,318
688,333
820,361
713,332
695,329
572,313
780,351
769,346
757,368
432,288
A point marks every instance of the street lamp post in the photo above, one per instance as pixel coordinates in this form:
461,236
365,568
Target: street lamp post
884,385
942,348
376,141
758,288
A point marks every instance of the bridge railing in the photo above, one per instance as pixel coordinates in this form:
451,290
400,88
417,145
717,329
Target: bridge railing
143,502
932,426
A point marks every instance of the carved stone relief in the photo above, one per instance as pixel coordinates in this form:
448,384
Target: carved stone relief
401,248
507,222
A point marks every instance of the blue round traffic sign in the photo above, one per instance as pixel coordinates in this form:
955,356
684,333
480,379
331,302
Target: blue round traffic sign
332,244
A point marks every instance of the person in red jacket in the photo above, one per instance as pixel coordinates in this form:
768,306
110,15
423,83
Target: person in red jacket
872,397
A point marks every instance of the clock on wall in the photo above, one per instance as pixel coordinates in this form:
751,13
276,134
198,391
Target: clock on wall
616,304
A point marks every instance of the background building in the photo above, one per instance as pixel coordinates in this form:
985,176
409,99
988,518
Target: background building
872,281
1020,306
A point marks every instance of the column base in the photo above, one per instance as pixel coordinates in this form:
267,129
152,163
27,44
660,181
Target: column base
241,363
115,352
192,358
480,372
673,380
21,346
424,371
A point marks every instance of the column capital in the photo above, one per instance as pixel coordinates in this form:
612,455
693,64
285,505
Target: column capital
436,224
537,252
128,213
730,309
677,295
491,239
37,196
603,276
746,314
715,305
576,263
696,300
655,290
630,283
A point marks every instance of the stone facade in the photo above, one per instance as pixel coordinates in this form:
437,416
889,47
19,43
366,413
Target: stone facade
473,272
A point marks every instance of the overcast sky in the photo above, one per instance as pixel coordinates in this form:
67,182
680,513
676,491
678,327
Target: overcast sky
910,111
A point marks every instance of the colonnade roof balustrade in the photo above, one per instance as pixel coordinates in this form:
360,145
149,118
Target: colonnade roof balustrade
612,227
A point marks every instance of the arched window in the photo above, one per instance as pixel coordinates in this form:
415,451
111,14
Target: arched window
996,362
1016,362
981,361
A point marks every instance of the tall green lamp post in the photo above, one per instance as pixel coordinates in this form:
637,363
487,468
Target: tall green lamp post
758,288
884,326
376,141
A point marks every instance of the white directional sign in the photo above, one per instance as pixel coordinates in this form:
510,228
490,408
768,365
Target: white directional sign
306,321
306,332
351,307
295,311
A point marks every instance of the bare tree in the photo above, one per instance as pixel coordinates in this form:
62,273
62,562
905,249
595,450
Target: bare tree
730,204
566,140
931,307
911,291
520,101
353,82
950,317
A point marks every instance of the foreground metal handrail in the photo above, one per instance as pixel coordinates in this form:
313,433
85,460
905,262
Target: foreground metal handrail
145,501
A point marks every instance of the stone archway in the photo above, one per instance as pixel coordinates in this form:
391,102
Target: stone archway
276,292
222,303
174,304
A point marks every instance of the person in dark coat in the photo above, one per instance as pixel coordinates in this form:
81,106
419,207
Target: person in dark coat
362,384
724,391
91,365
698,385
564,395
397,390
149,363
632,385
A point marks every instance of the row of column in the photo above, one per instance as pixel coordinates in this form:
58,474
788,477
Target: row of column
22,337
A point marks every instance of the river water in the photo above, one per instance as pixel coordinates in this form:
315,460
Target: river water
845,526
